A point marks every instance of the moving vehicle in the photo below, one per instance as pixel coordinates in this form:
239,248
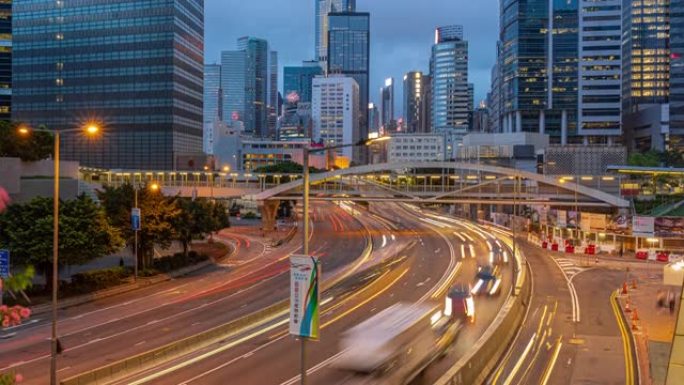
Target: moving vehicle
488,281
395,345
459,304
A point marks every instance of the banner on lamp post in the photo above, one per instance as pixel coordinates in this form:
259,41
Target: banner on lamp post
305,273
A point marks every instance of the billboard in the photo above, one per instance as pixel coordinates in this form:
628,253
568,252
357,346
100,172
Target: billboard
305,273
643,226
562,218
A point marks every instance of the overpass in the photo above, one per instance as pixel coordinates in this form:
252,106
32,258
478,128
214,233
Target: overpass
412,182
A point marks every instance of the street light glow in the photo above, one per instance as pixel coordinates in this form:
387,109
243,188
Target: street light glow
154,186
23,130
92,129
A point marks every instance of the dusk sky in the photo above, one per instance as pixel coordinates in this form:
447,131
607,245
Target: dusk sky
402,33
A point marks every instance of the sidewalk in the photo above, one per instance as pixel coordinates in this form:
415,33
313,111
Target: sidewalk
654,328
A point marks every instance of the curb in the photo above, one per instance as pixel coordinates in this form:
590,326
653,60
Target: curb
633,374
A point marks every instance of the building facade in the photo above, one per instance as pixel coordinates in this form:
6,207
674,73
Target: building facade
676,139
415,148
373,118
233,85
212,104
6,60
256,85
450,96
600,68
387,105
135,70
349,55
300,80
323,8
414,102
273,109
335,113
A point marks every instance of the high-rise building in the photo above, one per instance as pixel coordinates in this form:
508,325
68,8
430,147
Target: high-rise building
373,118
494,96
121,65
256,85
450,97
248,85
233,85
5,59
387,104
677,74
273,109
212,104
537,72
645,53
349,54
600,66
323,8
300,79
335,113
415,88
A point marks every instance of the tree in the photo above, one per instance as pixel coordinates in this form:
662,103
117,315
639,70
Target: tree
157,216
84,233
37,146
199,218
220,216
647,159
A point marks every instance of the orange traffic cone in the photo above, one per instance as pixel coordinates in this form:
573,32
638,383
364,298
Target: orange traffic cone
635,315
627,308
624,288
634,325
634,284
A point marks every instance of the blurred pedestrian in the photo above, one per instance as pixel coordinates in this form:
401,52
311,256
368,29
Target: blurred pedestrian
671,301
660,297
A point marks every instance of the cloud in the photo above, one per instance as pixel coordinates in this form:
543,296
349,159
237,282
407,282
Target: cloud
402,33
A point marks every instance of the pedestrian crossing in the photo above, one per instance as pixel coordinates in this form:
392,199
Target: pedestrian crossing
570,267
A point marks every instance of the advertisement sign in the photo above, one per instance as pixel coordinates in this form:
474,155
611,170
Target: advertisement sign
669,227
573,219
135,219
305,272
4,263
643,226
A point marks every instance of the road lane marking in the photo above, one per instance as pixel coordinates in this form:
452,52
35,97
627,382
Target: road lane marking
626,346
520,361
552,362
573,293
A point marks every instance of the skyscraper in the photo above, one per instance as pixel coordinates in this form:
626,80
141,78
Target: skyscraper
121,66
373,118
323,8
335,113
273,109
449,70
233,83
645,53
212,104
5,60
537,72
414,102
387,104
256,85
349,54
300,80
677,74
600,66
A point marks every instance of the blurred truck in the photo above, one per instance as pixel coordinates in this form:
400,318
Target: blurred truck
396,345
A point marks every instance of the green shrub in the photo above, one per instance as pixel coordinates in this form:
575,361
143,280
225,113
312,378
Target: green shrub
178,261
96,280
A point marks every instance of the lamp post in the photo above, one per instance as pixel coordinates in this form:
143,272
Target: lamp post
90,129
136,228
305,240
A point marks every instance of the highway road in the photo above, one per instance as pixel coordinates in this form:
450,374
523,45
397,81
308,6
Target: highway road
117,327
571,334
439,253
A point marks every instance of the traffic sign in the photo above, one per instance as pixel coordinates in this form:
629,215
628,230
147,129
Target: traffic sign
4,263
305,272
135,218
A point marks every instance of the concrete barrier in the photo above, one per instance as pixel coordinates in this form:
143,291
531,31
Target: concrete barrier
483,357
139,362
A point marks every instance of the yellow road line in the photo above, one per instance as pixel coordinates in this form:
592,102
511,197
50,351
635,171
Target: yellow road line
552,362
627,347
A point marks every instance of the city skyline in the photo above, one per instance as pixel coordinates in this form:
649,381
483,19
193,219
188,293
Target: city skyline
395,50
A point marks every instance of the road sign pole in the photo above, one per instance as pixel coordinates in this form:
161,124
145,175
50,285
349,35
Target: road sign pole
305,243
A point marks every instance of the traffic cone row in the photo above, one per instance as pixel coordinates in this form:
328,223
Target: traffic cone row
627,308
624,288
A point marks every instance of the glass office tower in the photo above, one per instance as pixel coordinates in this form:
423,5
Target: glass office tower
5,59
256,85
300,80
349,54
414,102
323,8
135,67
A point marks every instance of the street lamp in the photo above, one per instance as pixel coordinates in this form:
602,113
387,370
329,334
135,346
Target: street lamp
90,129
305,182
136,227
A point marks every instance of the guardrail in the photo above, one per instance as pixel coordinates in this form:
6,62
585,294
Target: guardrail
134,364
476,366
